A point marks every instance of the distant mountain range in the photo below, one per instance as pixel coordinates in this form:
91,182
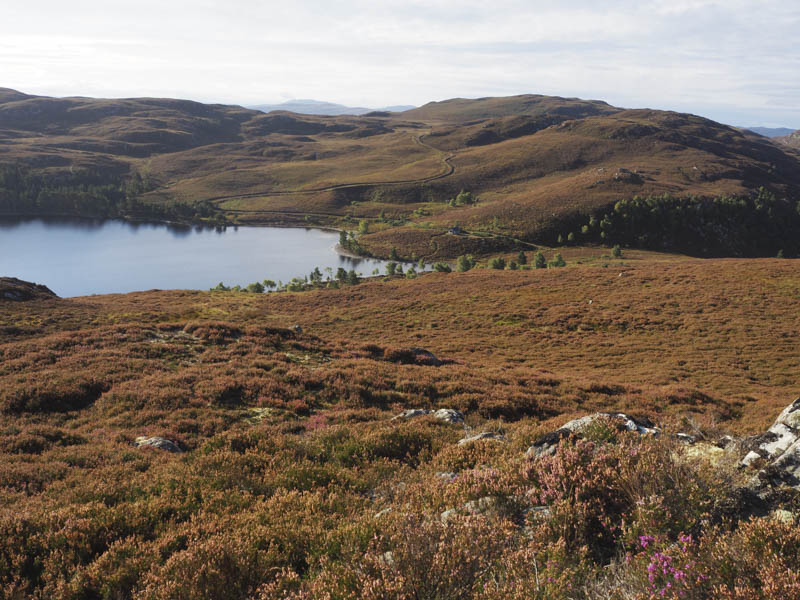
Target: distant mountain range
771,132
316,107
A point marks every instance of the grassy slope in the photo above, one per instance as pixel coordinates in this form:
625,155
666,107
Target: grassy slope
290,450
723,327
532,160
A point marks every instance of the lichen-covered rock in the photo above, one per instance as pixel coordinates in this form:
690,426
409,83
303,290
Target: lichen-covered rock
410,413
777,452
779,438
485,435
547,444
157,442
447,415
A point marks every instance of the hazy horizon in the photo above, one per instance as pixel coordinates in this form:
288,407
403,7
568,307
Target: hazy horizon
731,61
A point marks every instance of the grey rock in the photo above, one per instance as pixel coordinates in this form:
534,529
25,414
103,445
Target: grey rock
778,449
488,505
485,435
449,415
410,413
686,438
778,438
443,414
446,475
547,444
157,442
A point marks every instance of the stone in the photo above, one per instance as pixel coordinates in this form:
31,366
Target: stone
488,505
425,357
157,442
485,435
686,438
449,416
546,445
410,413
447,476
777,451
778,438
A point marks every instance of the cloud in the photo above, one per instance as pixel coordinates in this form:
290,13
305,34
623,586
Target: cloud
725,59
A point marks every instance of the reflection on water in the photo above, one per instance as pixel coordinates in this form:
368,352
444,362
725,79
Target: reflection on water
76,257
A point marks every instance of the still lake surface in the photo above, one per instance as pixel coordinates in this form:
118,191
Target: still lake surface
79,257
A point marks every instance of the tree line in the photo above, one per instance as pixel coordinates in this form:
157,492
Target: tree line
89,193
758,225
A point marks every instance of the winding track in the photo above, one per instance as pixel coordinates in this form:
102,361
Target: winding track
449,170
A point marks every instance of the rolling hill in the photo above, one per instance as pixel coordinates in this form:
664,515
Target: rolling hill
535,167
792,140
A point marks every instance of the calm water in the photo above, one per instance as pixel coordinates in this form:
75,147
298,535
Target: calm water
78,257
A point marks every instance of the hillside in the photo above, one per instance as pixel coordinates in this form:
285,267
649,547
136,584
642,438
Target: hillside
792,140
535,167
178,445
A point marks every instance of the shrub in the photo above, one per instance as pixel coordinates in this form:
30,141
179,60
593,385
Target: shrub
558,261
497,263
442,267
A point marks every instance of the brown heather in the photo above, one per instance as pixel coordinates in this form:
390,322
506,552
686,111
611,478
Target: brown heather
291,457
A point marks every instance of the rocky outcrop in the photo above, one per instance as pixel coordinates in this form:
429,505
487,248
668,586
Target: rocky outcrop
18,290
777,451
157,442
547,444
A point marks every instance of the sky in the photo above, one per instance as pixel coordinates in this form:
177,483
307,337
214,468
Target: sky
735,61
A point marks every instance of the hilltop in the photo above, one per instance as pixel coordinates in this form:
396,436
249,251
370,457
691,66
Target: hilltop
533,168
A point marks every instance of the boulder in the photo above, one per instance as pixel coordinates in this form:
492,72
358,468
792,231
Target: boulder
157,442
777,451
546,445
448,415
778,438
425,357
